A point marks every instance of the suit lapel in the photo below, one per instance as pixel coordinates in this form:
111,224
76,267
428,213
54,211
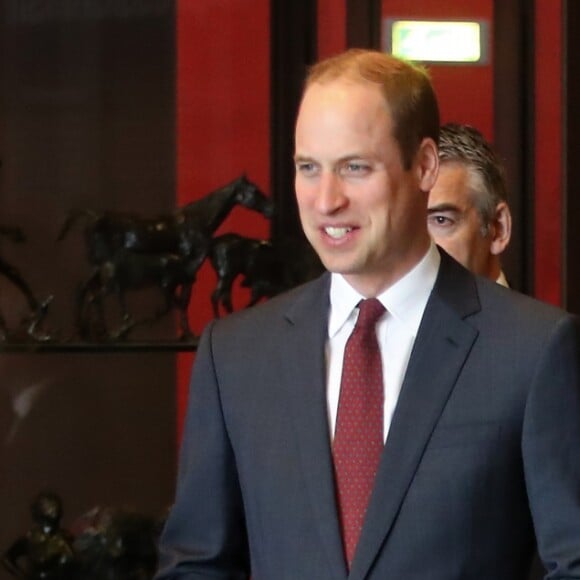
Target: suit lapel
442,345
306,378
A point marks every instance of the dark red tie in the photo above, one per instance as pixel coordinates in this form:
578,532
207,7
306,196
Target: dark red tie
358,439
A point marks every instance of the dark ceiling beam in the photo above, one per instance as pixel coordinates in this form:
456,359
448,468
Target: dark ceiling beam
363,29
513,129
571,157
293,48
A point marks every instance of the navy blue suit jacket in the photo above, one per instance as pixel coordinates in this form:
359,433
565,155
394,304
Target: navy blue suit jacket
483,454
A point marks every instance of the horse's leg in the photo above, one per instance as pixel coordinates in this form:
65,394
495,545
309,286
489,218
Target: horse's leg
222,294
182,302
37,310
168,292
215,300
3,328
129,323
36,320
227,293
90,312
223,291
14,276
98,300
80,312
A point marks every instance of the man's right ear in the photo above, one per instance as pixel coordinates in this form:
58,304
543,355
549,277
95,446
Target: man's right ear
428,164
502,228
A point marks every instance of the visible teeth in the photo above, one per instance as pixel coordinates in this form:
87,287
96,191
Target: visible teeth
337,232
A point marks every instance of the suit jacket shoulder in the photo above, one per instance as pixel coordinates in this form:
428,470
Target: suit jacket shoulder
258,326
485,303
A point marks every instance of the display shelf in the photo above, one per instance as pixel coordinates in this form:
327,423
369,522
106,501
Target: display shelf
53,347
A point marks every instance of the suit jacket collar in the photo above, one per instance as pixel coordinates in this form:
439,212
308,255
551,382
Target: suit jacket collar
444,335
441,348
307,333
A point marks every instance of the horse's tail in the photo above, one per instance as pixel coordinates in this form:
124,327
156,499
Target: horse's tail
72,216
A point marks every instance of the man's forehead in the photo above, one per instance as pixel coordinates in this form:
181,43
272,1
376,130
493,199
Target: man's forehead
453,186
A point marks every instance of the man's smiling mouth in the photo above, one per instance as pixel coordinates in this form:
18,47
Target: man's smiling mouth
336,233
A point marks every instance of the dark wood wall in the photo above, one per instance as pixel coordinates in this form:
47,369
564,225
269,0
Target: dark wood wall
293,48
514,129
87,121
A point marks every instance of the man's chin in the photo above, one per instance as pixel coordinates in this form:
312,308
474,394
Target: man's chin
339,266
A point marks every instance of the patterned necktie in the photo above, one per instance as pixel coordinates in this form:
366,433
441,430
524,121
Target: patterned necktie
358,440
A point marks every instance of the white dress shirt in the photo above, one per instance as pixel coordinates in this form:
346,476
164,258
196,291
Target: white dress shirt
405,303
502,280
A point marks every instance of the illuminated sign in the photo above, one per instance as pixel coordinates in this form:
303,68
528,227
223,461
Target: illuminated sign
437,41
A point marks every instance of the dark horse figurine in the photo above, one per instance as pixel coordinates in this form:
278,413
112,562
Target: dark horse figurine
265,267
128,252
232,255
37,309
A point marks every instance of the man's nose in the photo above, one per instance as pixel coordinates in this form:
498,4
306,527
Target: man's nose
331,196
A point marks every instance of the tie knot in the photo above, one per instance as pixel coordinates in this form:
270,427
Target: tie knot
370,310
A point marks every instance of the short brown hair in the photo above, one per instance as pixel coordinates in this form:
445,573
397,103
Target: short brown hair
406,88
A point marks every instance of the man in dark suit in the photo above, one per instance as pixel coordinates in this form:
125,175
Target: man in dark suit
480,386
468,214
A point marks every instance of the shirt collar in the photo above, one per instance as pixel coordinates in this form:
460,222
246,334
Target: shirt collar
502,280
405,299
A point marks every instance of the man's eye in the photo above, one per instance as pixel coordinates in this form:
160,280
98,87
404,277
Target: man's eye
354,168
305,168
440,220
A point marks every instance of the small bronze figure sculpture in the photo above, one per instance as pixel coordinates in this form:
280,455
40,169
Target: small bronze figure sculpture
130,252
46,551
231,256
108,544
265,267
117,545
37,310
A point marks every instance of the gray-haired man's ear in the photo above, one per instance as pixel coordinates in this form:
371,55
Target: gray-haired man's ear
501,229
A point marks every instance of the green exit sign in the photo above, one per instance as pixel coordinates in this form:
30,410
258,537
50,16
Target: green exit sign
437,41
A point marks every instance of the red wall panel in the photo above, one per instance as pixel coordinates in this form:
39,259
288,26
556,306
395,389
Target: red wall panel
548,151
222,118
331,27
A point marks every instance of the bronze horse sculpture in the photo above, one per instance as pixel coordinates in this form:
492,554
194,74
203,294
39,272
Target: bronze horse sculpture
265,267
128,252
37,309
233,256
